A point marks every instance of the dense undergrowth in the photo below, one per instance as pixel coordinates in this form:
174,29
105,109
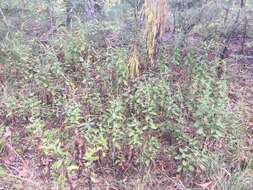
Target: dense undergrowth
74,115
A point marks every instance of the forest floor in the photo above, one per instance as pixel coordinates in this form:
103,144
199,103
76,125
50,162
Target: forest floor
162,173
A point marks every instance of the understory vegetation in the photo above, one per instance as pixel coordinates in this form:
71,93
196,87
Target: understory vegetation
134,94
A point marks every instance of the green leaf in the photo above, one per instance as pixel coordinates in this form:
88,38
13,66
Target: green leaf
58,164
72,167
3,171
191,168
184,162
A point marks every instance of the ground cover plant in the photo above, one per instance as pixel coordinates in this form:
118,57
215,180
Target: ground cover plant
130,94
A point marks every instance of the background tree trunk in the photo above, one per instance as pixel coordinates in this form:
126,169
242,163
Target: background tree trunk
89,9
69,10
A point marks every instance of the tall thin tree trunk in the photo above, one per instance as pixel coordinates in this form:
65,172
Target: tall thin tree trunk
69,9
242,3
245,26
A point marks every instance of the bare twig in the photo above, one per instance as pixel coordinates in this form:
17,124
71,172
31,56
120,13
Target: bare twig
11,175
4,18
